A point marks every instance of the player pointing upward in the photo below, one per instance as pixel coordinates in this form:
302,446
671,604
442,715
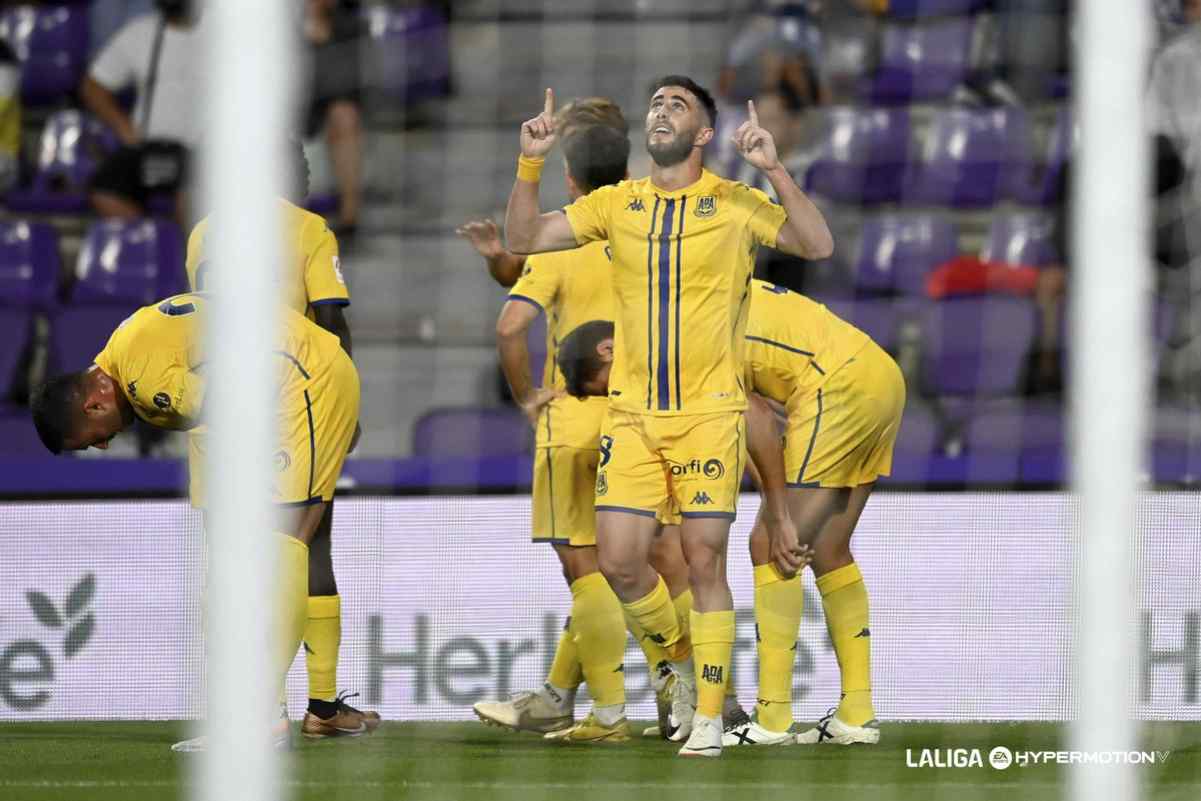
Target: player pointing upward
683,242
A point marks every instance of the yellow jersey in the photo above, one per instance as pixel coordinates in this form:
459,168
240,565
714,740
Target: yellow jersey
312,273
793,344
682,263
571,287
156,356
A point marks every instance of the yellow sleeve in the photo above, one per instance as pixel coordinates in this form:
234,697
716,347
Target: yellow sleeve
539,282
323,279
589,215
764,217
174,399
196,256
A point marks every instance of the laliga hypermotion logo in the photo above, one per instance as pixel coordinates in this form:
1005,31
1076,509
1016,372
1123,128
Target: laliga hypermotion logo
31,662
1002,758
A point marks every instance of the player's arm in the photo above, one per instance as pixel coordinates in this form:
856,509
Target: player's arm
527,229
804,232
512,329
103,104
332,318
767,456
505,267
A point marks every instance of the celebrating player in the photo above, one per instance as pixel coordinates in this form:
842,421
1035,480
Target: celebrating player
152,368
571,287
312,284
683,243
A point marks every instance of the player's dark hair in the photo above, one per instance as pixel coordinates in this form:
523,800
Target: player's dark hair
55,407
578,358
597,156
698,91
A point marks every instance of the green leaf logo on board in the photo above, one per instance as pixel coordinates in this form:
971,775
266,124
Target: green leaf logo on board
70,615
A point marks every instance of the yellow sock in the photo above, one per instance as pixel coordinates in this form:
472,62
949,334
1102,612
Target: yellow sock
845,600
683,605
322,637
292,606
653,652
657,617
600,638
712,643
777,620
565,671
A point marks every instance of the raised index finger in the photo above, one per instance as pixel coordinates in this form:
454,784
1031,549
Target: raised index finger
750,109
548,107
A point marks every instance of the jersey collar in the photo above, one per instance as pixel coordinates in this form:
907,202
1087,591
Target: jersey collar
696,187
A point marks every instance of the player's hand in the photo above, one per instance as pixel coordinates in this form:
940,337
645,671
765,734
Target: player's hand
538,134
532,404
787,552
755,144
484,236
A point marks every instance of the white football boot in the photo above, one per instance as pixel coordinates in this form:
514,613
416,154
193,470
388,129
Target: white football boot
832,731
705,740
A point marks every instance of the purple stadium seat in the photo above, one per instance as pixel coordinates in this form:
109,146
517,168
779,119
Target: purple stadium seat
472,431
863,156
919,62
78,333
72,147
1040,181
915,446
1021,238
407,53
879,318
975,346
14,334
917,9
18,437
129,263
52,44
896,251
966,155
29,264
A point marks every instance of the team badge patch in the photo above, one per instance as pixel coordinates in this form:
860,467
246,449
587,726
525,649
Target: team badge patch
706,206
602,484
132,388
162,400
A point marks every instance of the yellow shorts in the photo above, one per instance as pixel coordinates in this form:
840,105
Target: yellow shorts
688,465
317,417
843,435
564,484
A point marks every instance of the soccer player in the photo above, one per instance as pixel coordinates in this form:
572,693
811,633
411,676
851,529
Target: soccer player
683,243
313,285
153,368
571,287
843,396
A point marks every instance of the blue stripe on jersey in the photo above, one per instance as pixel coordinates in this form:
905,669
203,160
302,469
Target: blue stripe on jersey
650,294
773,343
679,267
665,302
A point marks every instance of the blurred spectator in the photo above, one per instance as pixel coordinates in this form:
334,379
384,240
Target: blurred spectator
777,52
10,116
157,54
105,18
333,30
1175,91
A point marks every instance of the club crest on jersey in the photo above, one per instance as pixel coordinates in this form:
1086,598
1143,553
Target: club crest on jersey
706,206
162,400
282,461
602,484
635,204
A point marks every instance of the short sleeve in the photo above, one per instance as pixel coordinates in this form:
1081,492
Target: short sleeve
116,66
323,279
538,284
764,217
174,400
589,215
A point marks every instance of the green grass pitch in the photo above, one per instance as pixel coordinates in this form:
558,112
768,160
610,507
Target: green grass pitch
130,761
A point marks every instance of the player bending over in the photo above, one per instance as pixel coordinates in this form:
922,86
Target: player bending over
683,243
311,284
152,368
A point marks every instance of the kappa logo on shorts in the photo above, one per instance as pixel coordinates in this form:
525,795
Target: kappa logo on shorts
162,400
602,484
702,498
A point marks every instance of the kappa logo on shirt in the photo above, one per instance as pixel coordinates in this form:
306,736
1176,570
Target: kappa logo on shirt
635,204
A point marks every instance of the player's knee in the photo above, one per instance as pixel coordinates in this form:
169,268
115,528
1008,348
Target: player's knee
621,573
706,566
343,118
829,556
